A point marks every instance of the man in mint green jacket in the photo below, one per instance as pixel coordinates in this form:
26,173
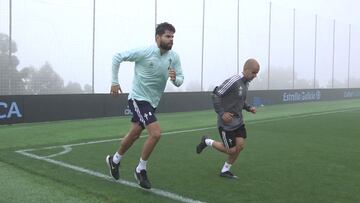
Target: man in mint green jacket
154,65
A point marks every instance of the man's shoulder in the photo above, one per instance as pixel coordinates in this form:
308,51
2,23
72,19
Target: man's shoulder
147,50
235,82
174,54
234,79
140,49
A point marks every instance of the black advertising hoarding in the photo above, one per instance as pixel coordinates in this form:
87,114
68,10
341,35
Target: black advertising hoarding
11,109
268,97
37,108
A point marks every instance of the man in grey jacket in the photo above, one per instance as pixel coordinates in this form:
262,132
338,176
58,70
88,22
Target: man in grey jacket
229,99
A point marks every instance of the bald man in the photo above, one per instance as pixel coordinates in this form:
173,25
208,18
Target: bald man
229,101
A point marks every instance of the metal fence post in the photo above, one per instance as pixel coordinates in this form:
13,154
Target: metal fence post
269,46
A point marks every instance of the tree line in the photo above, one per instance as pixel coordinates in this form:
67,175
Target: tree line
31,80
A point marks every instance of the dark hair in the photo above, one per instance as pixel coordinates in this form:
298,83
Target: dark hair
162,27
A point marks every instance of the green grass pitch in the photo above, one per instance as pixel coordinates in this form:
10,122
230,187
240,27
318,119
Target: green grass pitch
306,152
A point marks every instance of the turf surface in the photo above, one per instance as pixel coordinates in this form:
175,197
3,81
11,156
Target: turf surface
305,152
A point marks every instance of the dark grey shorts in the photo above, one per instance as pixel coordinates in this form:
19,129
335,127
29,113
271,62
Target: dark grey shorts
142,111
229,137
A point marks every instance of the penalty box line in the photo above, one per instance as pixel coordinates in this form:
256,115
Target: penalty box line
159,192
67,148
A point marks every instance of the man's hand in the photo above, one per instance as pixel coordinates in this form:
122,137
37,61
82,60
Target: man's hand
227,117
172,74
115,90
252,110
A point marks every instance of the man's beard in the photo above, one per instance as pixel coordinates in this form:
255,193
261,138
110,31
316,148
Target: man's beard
165,46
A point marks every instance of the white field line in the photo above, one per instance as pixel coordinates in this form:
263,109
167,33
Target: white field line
186,131
108,178
112,140
67,149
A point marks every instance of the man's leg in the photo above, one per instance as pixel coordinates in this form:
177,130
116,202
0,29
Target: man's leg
233,152
130,138
154,132
227,146
114,161
232,142
240,143
225,171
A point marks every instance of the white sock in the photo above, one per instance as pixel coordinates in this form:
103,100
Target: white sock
116,158
209,142
226,167
141,166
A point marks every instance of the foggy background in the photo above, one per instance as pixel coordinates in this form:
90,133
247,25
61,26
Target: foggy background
66,46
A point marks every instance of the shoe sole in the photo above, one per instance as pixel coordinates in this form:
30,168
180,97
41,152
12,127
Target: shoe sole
138,181
229,177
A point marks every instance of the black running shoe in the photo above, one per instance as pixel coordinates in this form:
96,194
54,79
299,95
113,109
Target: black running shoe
114,168
142,179
228,174
202,144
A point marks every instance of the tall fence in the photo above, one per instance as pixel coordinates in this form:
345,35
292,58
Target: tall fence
62,47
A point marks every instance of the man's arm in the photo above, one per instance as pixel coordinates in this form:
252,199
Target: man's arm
131,55
219,109
217,102
175,72
249,108
219,93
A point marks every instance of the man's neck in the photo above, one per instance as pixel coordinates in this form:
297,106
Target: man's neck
163,51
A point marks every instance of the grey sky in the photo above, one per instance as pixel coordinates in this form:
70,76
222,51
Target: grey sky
346,11
60,32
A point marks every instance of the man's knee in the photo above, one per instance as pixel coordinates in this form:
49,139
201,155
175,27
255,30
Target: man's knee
135,136
235,150
135,132
240,147
154,131
231,150
155,134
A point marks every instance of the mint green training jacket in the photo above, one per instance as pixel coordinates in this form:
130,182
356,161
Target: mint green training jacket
151,72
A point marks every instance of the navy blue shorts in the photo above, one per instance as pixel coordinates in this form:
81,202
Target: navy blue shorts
229,137
142,111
